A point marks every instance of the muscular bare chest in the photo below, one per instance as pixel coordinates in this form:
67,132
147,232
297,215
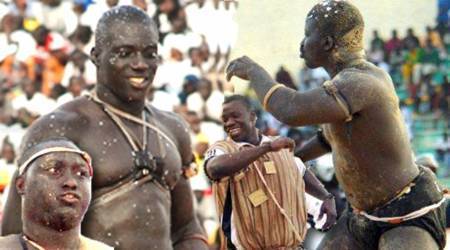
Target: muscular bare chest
114,157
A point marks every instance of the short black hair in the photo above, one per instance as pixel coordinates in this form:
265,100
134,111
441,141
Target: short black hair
240,98
124,13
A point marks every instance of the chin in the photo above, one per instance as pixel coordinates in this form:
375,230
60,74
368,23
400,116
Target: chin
310,65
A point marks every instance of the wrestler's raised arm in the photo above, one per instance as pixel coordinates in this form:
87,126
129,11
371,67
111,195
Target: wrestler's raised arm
315,106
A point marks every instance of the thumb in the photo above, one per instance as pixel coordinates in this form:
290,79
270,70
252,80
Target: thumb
322,212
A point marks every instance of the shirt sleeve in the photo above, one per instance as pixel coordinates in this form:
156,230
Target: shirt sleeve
213,152
300,165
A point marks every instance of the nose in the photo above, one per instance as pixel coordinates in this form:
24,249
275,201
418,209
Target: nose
229,123
139,62
70,182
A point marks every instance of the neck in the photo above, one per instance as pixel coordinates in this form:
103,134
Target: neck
254,138
134,107
49,238
342,61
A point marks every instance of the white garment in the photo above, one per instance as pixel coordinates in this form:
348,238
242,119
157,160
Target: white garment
165,101
95,11
39,104
89,74
182,42
61,18
172,74
213,105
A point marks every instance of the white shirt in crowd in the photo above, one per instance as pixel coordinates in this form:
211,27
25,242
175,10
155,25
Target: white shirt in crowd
39,104
213,104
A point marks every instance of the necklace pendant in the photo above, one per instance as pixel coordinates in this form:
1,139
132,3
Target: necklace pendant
144,161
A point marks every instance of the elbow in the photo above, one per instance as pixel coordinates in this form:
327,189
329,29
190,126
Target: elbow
212,172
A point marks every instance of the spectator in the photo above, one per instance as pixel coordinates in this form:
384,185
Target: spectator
75,88
283,76
411,41
376,53
206,102
392,45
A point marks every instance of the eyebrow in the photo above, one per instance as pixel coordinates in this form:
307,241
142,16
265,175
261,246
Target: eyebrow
129,46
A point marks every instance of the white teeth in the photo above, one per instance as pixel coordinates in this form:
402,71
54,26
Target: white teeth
136,80
234,131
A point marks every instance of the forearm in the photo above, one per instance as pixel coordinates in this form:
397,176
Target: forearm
312,149
314,187
226,165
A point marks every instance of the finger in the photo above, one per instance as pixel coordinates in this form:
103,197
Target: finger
230,66
230,70
321,214
229,75
327,225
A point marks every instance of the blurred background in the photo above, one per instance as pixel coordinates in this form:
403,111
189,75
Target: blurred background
44,62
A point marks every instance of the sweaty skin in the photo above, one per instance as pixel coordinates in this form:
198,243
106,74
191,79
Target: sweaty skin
55,191
374,161
371,152
148,216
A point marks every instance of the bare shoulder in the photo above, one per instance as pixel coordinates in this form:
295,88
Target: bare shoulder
66,121
173,121
10,242
364,85
366,75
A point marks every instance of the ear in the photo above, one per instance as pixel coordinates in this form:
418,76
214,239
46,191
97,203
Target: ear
20,184
328,43
94,56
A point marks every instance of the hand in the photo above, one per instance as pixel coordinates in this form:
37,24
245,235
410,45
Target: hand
240,67
328,208
282,142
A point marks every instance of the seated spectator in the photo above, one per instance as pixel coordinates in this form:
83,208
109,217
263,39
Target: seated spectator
162,100
376,53
57,16
31,104
76,86
433,37
283,76
411,41
392,45
206,102
54,182
7,166
180,37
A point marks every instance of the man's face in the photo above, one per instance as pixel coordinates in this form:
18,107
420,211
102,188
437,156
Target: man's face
310,47
238,122
28,88
204,88
57,190
128,59
76,85
8,153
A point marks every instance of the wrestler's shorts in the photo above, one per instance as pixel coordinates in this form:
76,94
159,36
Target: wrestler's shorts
424,193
